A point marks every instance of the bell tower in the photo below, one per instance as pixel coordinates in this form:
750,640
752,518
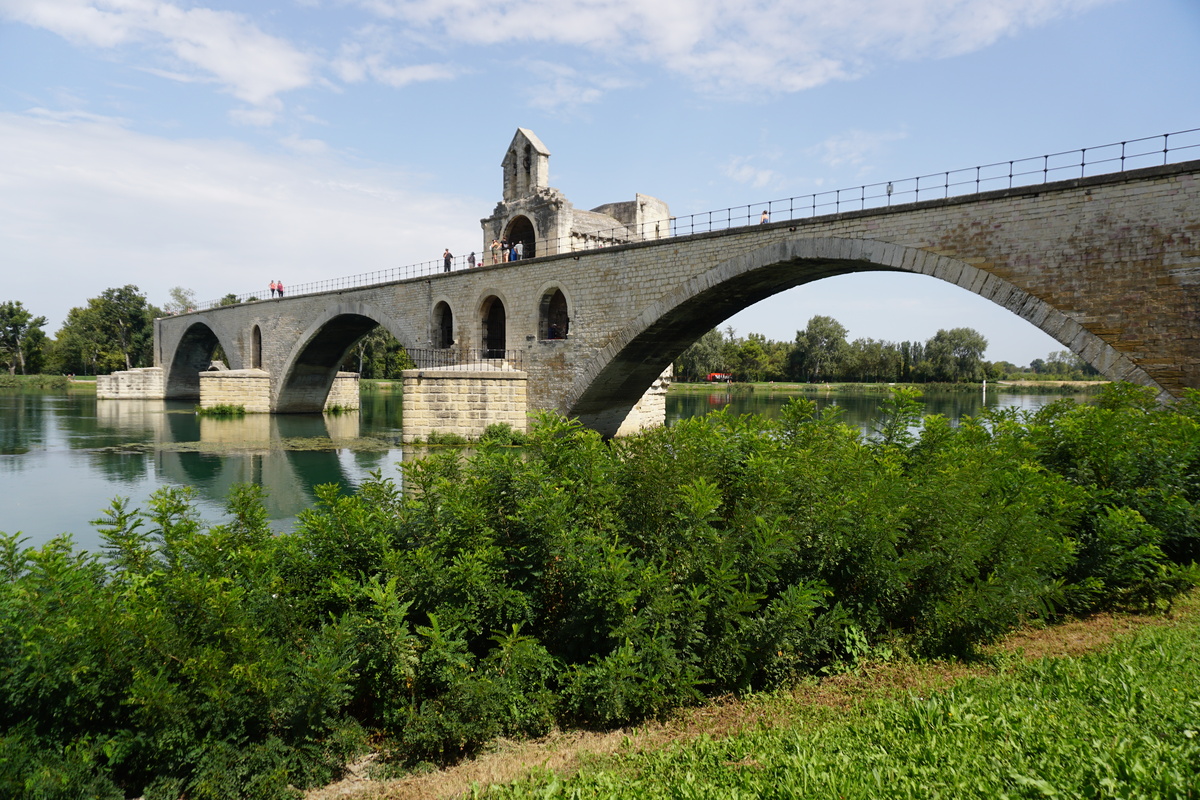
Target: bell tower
526,166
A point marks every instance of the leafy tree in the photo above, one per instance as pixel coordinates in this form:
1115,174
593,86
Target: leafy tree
22,340
378,355
956,355
181,300
755,358
820,349
703,357
114,331
869,360
230,299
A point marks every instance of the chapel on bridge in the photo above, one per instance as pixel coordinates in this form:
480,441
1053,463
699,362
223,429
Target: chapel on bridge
546,223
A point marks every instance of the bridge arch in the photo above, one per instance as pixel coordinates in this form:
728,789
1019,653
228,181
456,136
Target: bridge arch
192,356
313,362
603,394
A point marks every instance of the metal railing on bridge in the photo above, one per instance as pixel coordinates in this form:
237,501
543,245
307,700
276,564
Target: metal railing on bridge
1105,159
467,359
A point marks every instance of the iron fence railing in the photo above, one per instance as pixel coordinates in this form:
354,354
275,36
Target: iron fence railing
468,359
1149,151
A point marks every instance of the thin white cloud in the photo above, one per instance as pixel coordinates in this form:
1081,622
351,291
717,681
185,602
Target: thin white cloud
854,148
221,47
368,54
86,204
559,87
726,45
740,169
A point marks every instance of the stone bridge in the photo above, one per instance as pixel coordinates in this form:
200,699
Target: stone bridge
1108,265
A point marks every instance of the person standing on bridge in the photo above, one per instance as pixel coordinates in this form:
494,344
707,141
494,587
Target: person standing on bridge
495,251
447,257
279,287
503,250
765,218
272,288
471,260
518,251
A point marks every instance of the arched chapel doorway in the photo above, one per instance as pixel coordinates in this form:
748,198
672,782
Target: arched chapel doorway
520,229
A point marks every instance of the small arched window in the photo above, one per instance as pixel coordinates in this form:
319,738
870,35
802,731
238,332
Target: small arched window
553,320
443,326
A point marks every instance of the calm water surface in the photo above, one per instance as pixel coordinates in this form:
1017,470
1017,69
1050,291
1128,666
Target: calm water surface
65,456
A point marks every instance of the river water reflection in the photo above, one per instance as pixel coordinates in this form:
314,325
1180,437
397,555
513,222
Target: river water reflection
65,456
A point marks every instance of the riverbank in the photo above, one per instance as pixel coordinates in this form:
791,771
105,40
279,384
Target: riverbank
54,382
883,389
741,728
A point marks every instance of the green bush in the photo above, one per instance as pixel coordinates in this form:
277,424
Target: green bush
501,433
573,581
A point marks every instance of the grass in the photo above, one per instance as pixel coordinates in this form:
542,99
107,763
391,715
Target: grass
8,381
222,410
1107,706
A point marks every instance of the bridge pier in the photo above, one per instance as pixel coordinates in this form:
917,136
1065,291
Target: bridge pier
461,402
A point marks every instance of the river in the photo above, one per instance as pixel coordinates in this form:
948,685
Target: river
64,456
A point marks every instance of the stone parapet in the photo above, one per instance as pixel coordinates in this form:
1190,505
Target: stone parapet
143,383
462,402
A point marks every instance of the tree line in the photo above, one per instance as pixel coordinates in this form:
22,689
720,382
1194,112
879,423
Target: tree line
111,332
822,353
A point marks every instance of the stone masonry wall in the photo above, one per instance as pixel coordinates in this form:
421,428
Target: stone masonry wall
461,402
1108,265
250,388
344,392
144,383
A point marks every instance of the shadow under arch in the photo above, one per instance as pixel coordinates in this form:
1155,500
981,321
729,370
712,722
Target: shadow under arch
621,372
313,363
192,356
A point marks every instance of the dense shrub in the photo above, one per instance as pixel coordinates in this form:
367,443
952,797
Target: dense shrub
573,581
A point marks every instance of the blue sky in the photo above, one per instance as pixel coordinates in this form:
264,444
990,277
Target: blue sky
218,146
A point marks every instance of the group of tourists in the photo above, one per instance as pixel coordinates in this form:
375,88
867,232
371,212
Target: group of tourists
502,252
276,288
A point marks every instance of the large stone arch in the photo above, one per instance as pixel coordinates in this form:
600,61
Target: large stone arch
312,364
607,389
191,356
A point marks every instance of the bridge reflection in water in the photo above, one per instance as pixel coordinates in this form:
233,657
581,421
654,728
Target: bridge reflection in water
286,455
